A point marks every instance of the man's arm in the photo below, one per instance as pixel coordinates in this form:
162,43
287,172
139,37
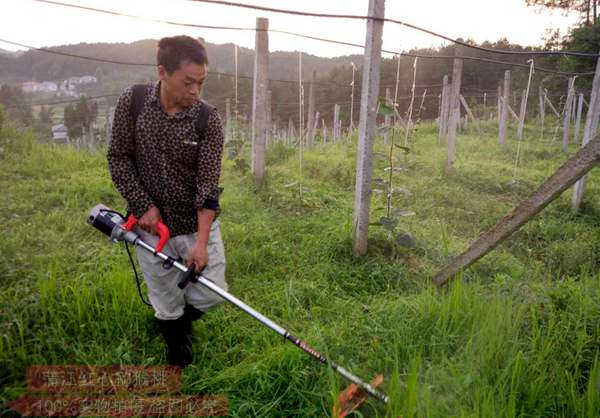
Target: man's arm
122,167
209,171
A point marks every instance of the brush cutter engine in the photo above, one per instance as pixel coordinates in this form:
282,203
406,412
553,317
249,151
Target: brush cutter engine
117,228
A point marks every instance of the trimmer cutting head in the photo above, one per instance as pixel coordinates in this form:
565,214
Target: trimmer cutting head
352,397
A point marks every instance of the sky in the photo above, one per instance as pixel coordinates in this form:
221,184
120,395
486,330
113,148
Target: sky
38,24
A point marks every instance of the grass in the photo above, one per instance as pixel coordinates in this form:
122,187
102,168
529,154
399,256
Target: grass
517,335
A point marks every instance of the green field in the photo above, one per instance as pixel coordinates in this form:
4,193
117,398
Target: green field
517,335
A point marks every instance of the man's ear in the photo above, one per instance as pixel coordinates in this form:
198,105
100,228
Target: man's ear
162,72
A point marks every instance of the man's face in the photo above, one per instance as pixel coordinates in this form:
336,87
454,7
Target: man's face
184,85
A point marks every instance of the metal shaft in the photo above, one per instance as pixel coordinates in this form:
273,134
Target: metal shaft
261,318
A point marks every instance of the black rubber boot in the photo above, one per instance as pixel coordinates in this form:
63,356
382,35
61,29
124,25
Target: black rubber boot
192,313
177,335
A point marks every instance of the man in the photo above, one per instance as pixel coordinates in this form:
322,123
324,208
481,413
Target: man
165,159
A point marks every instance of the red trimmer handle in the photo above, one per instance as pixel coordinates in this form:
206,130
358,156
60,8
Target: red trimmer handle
161,228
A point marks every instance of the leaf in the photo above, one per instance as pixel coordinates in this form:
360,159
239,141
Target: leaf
395,169
402,213
291,184
405,149
384,109
388,223
404,239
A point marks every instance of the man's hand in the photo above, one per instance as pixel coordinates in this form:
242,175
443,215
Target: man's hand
198,255
150,220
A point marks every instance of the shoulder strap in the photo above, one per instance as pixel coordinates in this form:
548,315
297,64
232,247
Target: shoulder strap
138,97
205,111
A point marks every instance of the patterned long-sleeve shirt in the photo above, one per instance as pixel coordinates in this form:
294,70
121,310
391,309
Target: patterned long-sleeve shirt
162,161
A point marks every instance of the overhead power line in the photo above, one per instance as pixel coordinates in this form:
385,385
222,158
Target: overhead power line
114,13
398,22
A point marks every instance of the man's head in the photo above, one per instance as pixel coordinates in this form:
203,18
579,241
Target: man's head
182,68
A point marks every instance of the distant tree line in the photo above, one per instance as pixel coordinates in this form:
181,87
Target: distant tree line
334,75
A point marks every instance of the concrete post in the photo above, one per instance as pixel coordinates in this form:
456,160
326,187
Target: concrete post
454,114
259,99
589,132
368,109
336,123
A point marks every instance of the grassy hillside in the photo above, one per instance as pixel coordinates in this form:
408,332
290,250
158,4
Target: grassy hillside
519,335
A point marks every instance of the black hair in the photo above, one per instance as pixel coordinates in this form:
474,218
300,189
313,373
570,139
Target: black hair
174,50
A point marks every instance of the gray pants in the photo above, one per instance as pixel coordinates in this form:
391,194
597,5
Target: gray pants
166,298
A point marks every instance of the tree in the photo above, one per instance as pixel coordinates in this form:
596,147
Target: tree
13,100
79,118
584,7
73,122
45,115
1,116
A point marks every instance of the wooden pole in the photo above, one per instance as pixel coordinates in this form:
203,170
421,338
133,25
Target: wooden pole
444,110
351,124
290,135
227,120
235,64
259,99
542,107
484,106
310,134
578,118
313,130
567,114
269,121
397,82
524,102
547,100
502,123
470,113
499,106
387,119
562,179
368,108
454,113
589,132
336,123
412,102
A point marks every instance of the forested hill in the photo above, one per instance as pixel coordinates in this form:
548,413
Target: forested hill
333,74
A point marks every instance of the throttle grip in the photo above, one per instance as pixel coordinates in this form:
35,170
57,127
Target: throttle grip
161,228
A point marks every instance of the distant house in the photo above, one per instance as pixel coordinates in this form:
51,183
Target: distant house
30,86
59,133
68,88
35,87
87,79
48,86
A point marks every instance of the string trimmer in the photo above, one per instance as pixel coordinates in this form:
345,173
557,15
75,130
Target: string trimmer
117,228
